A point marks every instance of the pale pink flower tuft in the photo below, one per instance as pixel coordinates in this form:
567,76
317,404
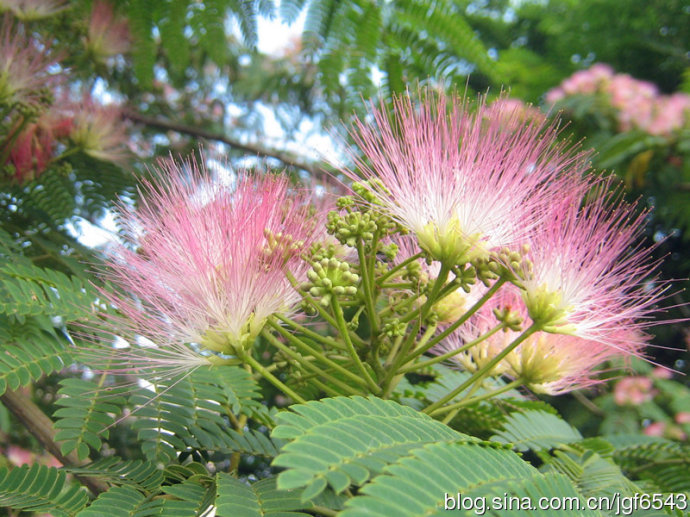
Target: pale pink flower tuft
210,263
98,129
546,363
633,391
30,10
108,34
464,182
24,67
655,429
587,275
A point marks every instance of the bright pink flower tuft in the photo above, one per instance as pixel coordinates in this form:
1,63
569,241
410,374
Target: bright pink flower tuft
211,261
34,147
464,183
588,276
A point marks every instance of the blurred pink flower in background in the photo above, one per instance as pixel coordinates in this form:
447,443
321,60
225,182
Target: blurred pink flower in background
34,147
661,372
633,391
30,10
25,78
638,104
98,129
108,34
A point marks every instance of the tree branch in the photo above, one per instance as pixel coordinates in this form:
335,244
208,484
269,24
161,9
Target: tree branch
287,159
41,427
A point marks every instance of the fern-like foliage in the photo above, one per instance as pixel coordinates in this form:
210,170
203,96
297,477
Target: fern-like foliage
138,474
664,463
192,413
30,358
182,24
536,430
263,498
405,38
592,474
38,488
426,481
28,290
87,411
343,441
181,500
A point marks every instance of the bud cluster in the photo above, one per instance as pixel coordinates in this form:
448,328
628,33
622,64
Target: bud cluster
329,278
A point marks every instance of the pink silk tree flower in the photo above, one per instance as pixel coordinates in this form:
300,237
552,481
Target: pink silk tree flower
24,68
588,276
210,262
463,182
108,34
31,10
545,363
98,129
34,147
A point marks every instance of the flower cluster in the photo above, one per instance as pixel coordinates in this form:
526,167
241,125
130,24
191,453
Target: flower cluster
475,235
472,188
637,104
40,120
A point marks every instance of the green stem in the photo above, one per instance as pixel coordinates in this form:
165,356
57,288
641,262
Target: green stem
325,340
484,370
399,361
452,353
308,365
472,400
367,288
270,377
342,326
400,266
451,328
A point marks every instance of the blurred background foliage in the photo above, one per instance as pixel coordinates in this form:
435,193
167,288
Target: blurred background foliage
182,73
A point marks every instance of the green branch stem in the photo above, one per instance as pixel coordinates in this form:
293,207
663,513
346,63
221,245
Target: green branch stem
270,377
473,400
342,327
325,340
451,353
368,289
400,266
451,328
484,370
309,366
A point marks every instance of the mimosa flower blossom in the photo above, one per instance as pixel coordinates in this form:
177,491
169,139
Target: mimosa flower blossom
98,129
586,274
34,147
108,34
545,362
30,10
210,263
24,74
464,183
